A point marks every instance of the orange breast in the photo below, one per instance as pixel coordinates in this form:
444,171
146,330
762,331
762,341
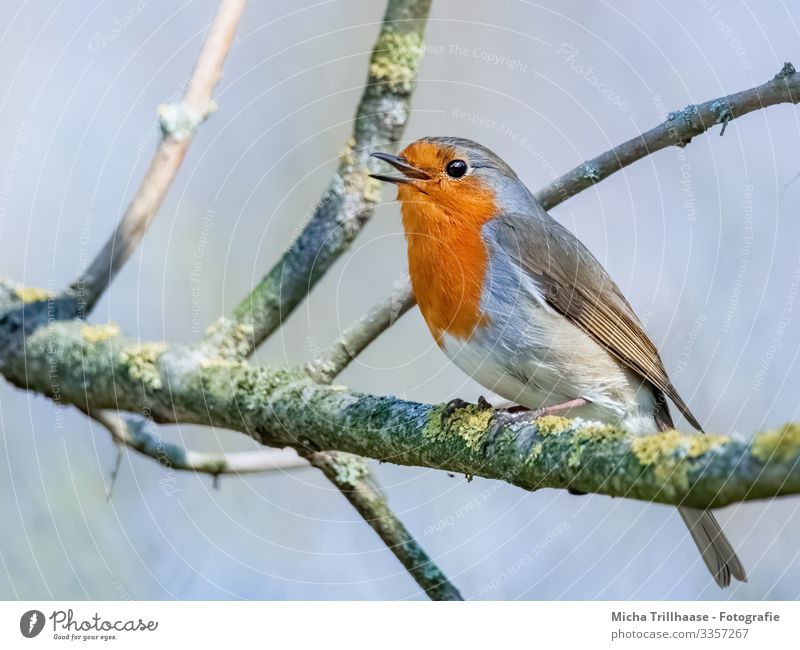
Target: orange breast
447,258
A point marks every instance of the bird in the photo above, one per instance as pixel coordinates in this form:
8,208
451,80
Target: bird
520,304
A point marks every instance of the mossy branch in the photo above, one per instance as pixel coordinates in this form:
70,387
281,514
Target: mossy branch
284,407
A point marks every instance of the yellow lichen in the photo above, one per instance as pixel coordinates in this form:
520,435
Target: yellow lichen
597,432
395,60
668,452
33,294
552,424
468,423
97,333
779,444
141,361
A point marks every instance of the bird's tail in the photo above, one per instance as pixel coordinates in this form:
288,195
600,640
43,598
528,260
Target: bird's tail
715,549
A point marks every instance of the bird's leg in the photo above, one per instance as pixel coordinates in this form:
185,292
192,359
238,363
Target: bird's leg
564,406
511,415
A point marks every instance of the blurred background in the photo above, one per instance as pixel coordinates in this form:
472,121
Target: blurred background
702,240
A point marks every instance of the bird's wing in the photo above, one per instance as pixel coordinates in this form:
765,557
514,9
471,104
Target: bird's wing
574,283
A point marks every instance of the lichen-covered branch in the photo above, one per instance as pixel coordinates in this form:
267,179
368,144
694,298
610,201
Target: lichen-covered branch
178,123
677,130
98,368
347,204
140,434
350,475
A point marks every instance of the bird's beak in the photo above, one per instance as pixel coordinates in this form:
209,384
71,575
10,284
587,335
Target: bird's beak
408,170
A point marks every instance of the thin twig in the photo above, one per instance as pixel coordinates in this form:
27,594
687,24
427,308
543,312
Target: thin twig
178,124
356,337
347,204
677,130
140,434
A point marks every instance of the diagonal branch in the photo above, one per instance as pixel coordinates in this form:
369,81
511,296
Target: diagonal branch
677,130
178,124
347,204
357,336
351,475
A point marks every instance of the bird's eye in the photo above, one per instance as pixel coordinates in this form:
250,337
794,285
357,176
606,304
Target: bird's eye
456,168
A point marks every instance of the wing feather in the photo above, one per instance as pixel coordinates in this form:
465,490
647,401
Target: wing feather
574,283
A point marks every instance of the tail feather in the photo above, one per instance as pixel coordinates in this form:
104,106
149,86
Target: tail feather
715,549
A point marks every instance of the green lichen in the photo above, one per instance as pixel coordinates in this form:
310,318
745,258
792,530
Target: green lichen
98,333
350,470
395,59
33,294
668,453
231,337
779,444
468,423
142,360
586,435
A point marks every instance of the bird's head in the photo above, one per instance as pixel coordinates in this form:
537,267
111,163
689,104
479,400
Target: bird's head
462,178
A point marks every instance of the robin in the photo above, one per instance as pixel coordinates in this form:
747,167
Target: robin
520,304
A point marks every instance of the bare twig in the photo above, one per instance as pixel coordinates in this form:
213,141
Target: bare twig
360,334
178,123
677,130
347,204
139,434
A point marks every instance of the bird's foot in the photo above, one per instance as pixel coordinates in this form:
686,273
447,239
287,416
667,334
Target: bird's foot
483,403
500,419
456,404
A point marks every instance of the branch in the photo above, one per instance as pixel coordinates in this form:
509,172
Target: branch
360,334
139,434
677,130
96,367
350,474
347,204
178,124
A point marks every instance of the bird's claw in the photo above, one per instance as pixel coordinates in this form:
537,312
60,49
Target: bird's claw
455,404
483,403
451,407
502,418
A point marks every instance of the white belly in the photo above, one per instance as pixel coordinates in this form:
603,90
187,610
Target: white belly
545,361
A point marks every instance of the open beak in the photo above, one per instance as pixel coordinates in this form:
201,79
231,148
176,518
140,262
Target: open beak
410,173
